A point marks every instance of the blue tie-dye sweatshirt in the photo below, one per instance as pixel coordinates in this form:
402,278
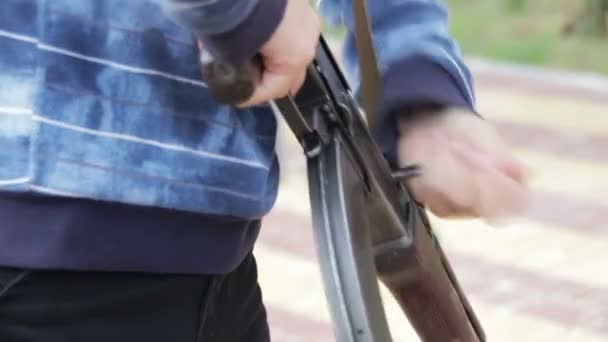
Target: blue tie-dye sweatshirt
103,101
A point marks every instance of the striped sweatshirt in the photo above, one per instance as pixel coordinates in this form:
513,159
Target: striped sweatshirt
115,157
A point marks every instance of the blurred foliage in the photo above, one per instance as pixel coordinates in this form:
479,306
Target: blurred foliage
516,5
554,33
562,34
592,21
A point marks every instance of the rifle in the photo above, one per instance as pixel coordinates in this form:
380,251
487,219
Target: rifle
367,225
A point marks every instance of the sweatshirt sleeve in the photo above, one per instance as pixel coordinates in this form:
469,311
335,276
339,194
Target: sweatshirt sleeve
233,30
420,63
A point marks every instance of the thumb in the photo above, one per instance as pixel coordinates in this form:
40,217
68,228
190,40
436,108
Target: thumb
272,85
514,169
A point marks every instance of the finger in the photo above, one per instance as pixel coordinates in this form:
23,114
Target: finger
492,146
272,86
441,197
464,163
444,207
488,194
500,195
429,197
514,169
298,82
446,184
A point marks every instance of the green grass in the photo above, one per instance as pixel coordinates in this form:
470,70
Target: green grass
528,32
523,31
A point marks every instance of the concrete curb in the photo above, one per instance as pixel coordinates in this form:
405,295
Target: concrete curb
563,83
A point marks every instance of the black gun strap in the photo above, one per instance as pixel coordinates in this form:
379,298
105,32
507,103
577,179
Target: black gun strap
368,64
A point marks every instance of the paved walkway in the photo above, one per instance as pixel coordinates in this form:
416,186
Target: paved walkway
543,278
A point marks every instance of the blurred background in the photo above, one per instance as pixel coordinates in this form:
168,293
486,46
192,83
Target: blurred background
541,77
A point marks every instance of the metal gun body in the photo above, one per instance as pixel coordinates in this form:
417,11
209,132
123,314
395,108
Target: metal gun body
366,224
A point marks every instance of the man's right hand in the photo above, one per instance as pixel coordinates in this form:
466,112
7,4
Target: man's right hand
288,53
468,171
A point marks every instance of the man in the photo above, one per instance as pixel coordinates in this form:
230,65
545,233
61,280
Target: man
130,200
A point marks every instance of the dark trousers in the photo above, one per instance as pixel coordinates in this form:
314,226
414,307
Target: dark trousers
61,306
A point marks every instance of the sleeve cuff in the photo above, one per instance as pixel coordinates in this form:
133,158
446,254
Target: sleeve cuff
244,41
412,84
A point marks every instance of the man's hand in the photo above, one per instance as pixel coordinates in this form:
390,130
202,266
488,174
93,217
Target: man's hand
288,53
467,171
